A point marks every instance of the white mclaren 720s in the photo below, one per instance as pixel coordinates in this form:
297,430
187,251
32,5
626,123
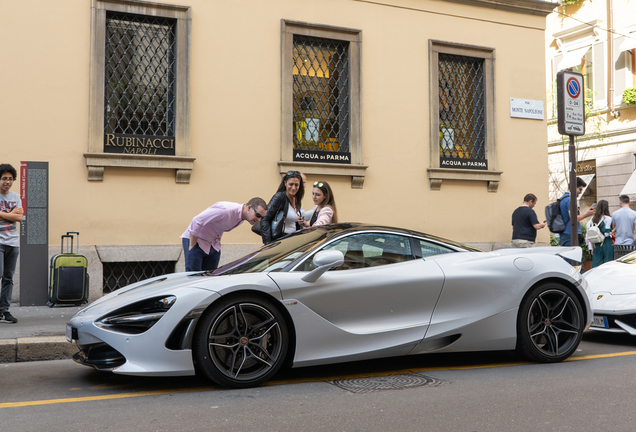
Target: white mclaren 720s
338,293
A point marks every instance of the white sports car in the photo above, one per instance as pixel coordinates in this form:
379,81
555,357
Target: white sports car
613,295
338,293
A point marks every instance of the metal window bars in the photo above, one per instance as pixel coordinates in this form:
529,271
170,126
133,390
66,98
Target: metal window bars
462,127
140,75
120,274
321,90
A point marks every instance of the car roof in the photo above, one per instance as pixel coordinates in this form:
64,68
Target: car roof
339,228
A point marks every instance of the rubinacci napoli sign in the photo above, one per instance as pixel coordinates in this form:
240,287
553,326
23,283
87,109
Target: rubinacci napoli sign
524,108
139,144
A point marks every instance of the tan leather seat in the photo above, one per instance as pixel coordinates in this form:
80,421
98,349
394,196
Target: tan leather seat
353,259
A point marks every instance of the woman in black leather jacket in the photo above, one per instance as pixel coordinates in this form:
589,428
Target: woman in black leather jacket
283,210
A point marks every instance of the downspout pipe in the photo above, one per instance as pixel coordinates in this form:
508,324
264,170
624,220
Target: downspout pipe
610,52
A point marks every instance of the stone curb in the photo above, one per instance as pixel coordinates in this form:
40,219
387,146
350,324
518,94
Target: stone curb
36,349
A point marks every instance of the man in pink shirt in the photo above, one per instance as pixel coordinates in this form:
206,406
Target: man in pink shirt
202,240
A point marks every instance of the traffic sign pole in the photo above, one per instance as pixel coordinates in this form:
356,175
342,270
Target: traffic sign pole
571,121
574,227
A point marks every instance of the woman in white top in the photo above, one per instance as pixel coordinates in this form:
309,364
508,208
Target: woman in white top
601,252
325,211
283,210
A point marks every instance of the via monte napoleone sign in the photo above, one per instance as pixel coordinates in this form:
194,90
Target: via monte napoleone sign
571,103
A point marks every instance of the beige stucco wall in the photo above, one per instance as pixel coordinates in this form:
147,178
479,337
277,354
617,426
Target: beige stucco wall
235,117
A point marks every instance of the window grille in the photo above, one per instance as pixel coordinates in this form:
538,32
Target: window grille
321,90
462,127
140,75
121,274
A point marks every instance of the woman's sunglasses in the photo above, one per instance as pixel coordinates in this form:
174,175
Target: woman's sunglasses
318,184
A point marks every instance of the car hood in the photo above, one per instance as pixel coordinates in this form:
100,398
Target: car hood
608,303
612,277
178,282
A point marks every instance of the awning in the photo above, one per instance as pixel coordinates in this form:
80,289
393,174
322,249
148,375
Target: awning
587,178
629,43
630,186
573,58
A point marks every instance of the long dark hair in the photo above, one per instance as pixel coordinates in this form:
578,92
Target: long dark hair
301,189
330,200
602,209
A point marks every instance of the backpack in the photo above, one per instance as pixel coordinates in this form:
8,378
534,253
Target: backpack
553,217
594,234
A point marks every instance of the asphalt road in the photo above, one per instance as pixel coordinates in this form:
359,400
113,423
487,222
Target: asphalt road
594,391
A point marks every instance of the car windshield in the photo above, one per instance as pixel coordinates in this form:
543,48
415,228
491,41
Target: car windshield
629,258
276,255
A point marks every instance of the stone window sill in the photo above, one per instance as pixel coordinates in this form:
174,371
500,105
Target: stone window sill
437,175
95,162
357,172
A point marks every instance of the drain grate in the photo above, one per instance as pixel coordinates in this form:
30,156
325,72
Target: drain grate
387,382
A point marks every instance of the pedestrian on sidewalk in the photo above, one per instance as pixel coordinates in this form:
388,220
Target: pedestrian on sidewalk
604,251
525,223
624,220
202,240
324,211
564,238
10,214
284,214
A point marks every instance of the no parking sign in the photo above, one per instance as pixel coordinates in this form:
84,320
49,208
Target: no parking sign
570,103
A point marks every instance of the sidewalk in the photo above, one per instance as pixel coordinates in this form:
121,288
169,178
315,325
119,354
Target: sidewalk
39,334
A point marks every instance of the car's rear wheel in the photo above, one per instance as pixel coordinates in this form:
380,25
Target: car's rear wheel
550,323
240,342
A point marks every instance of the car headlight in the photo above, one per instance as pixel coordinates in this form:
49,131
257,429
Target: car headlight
137,317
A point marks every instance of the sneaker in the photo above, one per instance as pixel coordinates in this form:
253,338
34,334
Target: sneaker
9,318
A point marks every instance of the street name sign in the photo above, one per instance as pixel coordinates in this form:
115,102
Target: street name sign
524,108
570,103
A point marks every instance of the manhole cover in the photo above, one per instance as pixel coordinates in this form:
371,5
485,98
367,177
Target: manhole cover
387,382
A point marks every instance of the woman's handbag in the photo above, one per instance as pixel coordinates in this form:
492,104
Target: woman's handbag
278,224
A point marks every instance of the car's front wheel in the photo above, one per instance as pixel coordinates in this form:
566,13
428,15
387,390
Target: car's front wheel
550,323
240,342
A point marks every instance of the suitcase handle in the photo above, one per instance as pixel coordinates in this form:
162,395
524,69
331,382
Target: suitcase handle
67,237
77,234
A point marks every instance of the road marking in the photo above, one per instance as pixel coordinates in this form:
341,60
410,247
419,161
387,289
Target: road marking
103,397
291,381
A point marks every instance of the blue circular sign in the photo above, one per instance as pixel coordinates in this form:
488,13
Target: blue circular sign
574,87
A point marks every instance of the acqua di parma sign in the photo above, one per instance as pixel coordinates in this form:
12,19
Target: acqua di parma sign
570,103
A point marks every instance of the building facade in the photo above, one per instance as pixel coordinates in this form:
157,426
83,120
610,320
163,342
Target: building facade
596,39
147,113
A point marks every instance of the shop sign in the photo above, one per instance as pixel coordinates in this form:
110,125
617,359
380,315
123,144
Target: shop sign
473,164
586,167
139,144
322,156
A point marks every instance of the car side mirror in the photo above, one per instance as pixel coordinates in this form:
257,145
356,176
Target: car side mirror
324,260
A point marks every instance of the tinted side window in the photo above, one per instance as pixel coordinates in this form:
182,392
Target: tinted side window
370,250
428,249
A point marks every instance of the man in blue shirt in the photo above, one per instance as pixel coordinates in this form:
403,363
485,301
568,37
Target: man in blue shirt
564,239
624,220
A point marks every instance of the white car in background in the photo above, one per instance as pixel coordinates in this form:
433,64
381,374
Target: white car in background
612,289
